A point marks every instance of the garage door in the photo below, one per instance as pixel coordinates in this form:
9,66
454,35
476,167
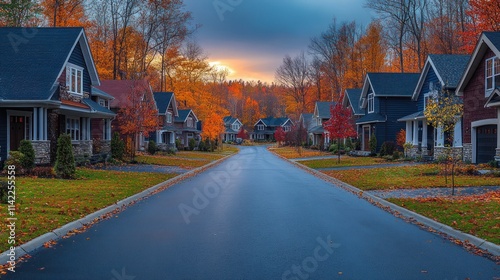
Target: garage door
486,143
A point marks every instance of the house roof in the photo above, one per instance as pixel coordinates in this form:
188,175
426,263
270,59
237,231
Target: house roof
229,120
352,95
120,90
322,109
163,100
389,85
306,119
100,93
40,56
488,40
272,121
415,116
319,129
494,99
96,108
183,115
371,118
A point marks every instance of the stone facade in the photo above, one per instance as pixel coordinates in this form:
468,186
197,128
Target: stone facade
457,152
105,146
415,152
82,148
467,153
42,151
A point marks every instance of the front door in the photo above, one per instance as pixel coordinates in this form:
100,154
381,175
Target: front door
17,127
366,138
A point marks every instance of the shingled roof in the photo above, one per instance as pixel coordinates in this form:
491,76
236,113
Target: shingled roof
163,99
352,95
32,59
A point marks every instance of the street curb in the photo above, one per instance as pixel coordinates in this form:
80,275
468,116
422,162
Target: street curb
412,217
37,243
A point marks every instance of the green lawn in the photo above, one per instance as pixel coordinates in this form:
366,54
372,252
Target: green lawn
478,215
46,204
344,161
186,159
407,177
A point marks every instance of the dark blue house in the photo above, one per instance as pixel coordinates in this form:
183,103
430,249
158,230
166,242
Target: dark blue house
167,112
441,72
385,98
351,100
46,82
264,129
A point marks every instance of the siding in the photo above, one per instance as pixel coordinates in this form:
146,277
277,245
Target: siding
78,59
394,108
3,134
431,77
474,100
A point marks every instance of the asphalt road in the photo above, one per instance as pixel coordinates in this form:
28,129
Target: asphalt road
255,216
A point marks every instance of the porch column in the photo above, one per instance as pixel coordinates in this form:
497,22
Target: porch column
457,134
34,133
40,124
158,136
440,136
424,134
498,128
172,138
45,124
408,131
415,133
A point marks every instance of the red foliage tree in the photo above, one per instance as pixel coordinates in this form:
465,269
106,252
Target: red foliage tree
242,134
279,135
484,16
340,124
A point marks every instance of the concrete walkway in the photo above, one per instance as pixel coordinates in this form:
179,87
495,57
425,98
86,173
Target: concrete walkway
433,192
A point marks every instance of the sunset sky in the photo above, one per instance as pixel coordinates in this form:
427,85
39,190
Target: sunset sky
252,39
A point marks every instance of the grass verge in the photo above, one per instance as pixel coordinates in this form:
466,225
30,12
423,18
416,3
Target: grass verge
407,177
293,152
344,162
476,215
47,204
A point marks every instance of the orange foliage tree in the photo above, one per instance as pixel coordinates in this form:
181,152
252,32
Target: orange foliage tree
213,127
65,13
139,116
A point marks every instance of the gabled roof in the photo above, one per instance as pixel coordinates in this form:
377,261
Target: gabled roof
449,68
96,108
273,122
100,93
351,97
488,40
494,99
32,60
164,100
322,109
183,115
306,119
389,85
415,116
121,89
229,120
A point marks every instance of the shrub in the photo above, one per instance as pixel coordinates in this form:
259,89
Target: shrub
493,163
202,147
117,147
15,158
192,144
152,148
43,172
396,155
28,160
65,160
178,144
373,144
466,170
387,148
4,192
348,144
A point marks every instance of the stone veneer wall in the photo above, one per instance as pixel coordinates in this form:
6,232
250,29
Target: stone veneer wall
42,151
105,146
415,152
467,154
457,152
82,148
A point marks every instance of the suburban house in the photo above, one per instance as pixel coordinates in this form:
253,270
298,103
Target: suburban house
385,98
318,136
480,89
441,73
352,100
187,127
232,127
264,129
306,120
46,89
167,112
101,127
126,93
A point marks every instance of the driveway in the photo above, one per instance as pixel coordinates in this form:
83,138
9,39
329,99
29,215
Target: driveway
255,216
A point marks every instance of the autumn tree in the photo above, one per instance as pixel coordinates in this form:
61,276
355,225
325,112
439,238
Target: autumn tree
279,135
484,16
213,127
139,116
443,111
63,13
340,125
19,13
242,134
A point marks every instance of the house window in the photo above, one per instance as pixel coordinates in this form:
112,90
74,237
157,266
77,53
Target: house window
103,103
371,103
428,97
260,127
260,136
74,79
190,122
236,127
169,117
287,128
319,121
492,74
73,128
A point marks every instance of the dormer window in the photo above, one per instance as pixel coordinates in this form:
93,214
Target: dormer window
371,103
74,79
190,122
260,127
492,75
169,117
236,127
104,103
